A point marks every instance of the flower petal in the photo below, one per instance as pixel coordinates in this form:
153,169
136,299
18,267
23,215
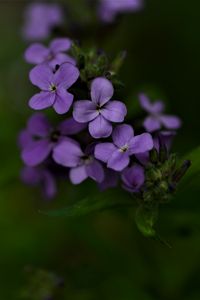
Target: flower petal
101,91
152,124
122,134
42,100
63,101
67,153
133,177
36,152
100,128
36,54
41,76
170,122
114,111
70,127
152,108
30,175
118,161
38,125
66,75
60,45
48,185
84,111
24,139
61,58
104,151
143,158
78,174
95,171
140,143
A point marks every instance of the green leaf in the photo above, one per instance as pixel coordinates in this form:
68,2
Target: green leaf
145,219
92,204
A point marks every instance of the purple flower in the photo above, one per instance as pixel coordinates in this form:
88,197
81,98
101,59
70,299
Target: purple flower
40,176
38,140
40,19
38,53
117,154
157,119
108,9
133,178
100,111
83,165
53,87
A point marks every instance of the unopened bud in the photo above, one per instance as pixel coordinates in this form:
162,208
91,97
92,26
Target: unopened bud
181,171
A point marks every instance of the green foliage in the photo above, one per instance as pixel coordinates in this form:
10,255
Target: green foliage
93,204
145,219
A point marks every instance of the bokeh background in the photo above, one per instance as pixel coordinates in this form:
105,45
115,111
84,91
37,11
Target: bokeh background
103,256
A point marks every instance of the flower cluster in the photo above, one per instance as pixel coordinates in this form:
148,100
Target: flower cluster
93,141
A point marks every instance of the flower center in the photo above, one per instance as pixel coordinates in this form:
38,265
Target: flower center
53,87
55,136
98,108
86,159
124,148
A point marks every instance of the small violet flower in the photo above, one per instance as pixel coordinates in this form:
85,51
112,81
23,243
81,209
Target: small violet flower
38,53
40,176
40,19
117,154
53,87
133,178
108,9
38,140
100,111
157,119
83,165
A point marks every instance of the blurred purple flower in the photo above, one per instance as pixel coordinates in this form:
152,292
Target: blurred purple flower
108,9
100,111
54,87
38,140
157,118
38,53
117,154
162,139
40,19
83,165
133,178
40,176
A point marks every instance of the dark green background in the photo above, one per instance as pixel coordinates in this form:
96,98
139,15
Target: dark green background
103,256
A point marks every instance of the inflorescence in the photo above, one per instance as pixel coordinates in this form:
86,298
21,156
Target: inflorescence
94,141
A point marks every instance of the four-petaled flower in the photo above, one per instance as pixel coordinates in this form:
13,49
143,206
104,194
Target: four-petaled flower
38,140
157,118
40,19
38,53
117,154
100,111
133,178
54,87
82,164
108,9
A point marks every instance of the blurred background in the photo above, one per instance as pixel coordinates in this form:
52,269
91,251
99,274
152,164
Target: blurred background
103,256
